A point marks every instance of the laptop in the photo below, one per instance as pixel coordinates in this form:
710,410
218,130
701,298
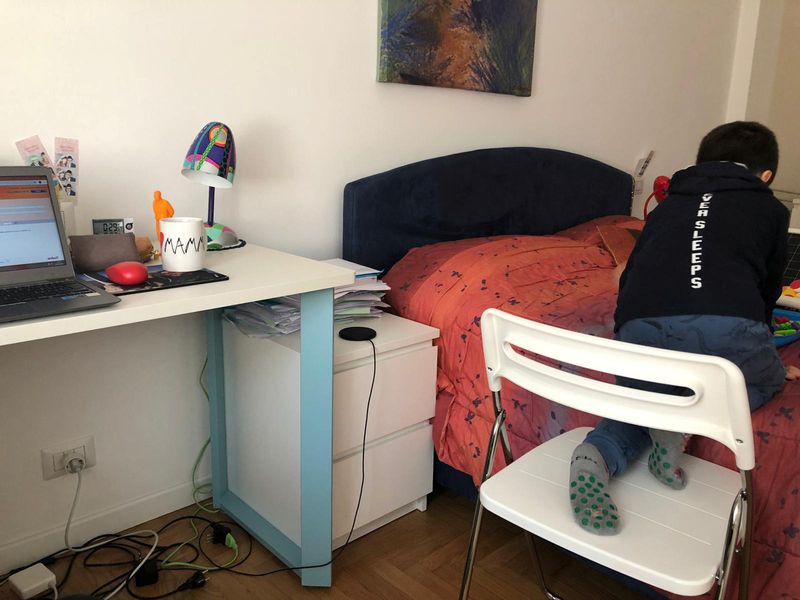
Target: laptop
37,278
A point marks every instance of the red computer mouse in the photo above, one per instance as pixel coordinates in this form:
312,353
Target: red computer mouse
129,272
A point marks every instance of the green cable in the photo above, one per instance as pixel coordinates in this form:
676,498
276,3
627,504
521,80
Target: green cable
201,489
165,561
230,542
197,490
206,488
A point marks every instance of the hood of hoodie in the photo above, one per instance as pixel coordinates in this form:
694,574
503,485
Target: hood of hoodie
712,177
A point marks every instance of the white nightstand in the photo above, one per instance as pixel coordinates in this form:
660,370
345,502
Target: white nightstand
263,420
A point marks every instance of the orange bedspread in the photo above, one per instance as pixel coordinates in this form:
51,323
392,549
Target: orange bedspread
570,280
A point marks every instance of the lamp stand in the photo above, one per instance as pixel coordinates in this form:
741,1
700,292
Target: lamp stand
219,236
210,221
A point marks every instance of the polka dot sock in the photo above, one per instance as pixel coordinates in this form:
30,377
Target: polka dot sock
592,507
665,457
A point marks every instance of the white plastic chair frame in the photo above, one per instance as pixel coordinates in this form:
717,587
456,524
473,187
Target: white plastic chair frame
718,409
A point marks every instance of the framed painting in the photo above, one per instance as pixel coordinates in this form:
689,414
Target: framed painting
482,45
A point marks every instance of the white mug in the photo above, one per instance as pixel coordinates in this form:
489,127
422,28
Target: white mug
183,244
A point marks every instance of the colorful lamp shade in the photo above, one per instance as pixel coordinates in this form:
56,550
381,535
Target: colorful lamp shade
211,160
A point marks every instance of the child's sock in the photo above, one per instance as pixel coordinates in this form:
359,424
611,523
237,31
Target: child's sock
665,457
592,507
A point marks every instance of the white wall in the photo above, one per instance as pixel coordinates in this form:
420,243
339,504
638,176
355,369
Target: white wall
295,80
783,111
744,58
765,60
135,389
766,80
782,95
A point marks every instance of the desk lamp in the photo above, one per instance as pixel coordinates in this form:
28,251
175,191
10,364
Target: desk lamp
211,160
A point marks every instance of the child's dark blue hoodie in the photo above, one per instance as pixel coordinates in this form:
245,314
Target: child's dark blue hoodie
715,246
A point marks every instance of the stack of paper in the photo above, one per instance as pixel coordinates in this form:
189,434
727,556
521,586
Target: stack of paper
361,299
265,318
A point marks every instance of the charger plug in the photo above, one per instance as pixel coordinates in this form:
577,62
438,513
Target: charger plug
32,581
230,542
220,533
147,574
74,462
197,580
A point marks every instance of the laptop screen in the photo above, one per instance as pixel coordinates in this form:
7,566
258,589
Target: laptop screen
29,236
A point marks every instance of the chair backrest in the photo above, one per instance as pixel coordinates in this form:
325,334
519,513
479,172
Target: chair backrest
718,409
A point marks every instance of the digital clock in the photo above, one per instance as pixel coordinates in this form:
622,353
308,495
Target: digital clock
112,226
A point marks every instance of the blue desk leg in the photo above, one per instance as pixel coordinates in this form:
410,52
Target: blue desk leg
316,442
316,434
215,372
224,498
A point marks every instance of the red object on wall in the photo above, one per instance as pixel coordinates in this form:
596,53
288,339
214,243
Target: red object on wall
660,191
660,187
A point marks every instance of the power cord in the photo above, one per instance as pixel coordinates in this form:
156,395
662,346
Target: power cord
221,535
75,463
157,558
358,334
202,489
361,335
363,449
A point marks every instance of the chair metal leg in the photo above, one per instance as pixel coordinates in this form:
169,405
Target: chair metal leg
476,519
530,541
741,515
473,546
498,408
744,561
729,549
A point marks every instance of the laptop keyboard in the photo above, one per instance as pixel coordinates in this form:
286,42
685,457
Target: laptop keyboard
40,291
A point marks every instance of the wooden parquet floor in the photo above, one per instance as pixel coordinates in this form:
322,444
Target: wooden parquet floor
420,556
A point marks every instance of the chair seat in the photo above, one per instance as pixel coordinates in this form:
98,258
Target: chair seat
672,539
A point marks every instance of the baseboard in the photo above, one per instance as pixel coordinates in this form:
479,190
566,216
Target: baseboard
420,504
27,549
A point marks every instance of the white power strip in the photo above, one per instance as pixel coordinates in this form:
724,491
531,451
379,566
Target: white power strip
33,581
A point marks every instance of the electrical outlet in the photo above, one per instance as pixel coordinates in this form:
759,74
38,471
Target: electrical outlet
53,458
638,186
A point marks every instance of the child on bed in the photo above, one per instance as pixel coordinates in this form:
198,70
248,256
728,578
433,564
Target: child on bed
703,277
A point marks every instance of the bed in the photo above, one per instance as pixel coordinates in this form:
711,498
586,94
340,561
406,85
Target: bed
543,234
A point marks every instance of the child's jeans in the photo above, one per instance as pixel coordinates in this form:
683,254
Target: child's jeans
746,343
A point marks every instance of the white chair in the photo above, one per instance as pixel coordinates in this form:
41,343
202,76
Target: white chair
682,541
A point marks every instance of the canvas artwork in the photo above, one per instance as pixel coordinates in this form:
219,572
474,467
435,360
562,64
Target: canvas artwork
483,45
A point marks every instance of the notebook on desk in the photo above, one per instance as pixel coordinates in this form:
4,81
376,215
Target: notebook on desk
37,278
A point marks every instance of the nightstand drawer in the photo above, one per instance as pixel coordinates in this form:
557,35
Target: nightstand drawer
397,471
405,386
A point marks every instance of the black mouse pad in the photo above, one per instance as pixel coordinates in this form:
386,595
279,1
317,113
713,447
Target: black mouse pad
157,279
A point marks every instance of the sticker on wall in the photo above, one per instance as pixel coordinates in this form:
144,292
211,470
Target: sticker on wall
67,165
34,154
482,45
65,168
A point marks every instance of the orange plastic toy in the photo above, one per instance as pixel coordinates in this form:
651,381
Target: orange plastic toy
162,209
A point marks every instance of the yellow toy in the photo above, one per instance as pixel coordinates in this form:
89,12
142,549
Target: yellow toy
162,209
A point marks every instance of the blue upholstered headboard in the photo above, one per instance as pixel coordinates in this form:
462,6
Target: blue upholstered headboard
474,194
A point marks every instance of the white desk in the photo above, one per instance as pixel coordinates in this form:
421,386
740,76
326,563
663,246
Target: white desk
255,274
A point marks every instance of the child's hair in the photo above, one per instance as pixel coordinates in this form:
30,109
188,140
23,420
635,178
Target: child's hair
747,142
